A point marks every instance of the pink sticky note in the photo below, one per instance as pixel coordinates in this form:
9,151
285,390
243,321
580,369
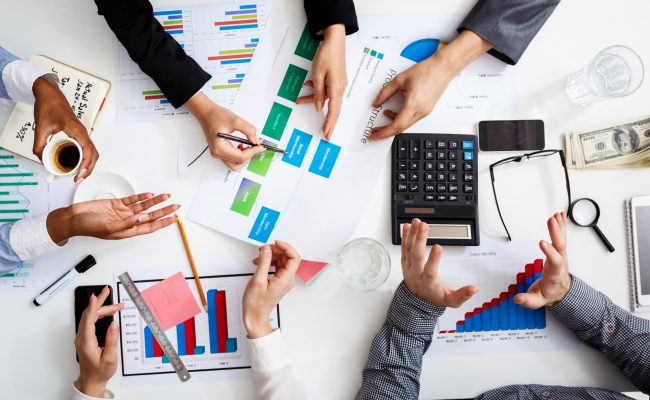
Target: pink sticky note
171,301
308,270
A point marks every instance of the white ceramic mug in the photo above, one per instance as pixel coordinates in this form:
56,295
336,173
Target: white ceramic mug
59,156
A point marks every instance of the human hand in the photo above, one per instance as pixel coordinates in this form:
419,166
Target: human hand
52,114
96,364
421,276
111,219
264,291
424,83
215,119
329,77
556,280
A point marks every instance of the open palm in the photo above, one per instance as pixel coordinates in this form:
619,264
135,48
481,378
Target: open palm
121,218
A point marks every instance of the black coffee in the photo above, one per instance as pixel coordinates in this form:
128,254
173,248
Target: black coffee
67,157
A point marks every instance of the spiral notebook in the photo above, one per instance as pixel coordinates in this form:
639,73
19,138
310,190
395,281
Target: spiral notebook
631,251
85,93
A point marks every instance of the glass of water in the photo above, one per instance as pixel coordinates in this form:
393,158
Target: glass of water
363,264
617,71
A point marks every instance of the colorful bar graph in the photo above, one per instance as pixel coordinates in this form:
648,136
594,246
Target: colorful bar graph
186,337
502,313
218,323
151,347
155,95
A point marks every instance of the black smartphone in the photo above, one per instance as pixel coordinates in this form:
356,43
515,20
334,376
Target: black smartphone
511,135
82,299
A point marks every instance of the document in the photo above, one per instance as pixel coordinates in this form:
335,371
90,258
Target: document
485,89
314,195
220,37
490,322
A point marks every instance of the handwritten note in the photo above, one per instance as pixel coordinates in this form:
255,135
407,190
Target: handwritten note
171,301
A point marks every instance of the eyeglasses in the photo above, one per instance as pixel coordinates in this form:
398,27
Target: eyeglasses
535,154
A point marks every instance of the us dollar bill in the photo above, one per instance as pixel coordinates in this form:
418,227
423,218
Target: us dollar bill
621,146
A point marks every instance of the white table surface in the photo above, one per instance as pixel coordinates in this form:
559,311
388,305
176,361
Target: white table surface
327,326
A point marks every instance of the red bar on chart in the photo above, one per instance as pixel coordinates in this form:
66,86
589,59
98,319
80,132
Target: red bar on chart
521,278
231,57
237,22
157,350
222,321
442,332
190,336
512,289
538,266
529,270
170,27
452,331
155,97
503,296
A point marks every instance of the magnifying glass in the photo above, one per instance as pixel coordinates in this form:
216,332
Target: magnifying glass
585,212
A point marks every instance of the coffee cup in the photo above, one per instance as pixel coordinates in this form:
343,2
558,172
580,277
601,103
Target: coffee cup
62,156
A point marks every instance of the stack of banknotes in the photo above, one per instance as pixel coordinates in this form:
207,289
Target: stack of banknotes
621,146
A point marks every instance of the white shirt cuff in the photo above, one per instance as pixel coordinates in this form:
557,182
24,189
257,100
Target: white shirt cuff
268,353
77,395
19,76
29,238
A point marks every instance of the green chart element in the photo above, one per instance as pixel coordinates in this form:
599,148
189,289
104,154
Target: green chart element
261,162
292,83
306,45
276,121
245,197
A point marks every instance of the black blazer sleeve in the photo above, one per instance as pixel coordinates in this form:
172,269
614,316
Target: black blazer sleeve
323,13
508,25
156,52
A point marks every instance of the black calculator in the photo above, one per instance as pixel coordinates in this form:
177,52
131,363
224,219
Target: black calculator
435,178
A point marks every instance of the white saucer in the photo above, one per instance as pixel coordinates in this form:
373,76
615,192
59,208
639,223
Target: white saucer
103,185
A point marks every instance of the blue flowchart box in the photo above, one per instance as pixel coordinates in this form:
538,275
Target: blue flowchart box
264,225
297,148
324,159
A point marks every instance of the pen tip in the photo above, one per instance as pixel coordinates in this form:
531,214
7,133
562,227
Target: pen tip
206,307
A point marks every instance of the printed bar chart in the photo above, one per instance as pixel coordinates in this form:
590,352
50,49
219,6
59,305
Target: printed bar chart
171,20
502,313
242,17
218,323
155,95
238,55
14,205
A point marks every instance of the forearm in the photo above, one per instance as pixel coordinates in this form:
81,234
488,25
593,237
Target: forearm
460,52
321,14
19,79
395,357
509,26
156,52
621,336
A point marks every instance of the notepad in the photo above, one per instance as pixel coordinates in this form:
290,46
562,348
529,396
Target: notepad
85,93
171,301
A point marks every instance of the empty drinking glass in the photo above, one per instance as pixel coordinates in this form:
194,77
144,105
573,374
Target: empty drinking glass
617,71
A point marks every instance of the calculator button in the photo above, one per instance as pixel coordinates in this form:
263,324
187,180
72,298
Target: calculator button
468,188
401,176
452,197
402,150
429,166
440,155
441,144
428,187
441,197
452,188
414,150
428,177
401,165
429,155
442,177
452,155
453,165
468,177
441,188
468,145
441,166
453,144
428,144
401,187
468,166
414,187
414,165
468,155
414,176
453,177
429,197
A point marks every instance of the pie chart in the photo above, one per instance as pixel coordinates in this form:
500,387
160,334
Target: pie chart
421,49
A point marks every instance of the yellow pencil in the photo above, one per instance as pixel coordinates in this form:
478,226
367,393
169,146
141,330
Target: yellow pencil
191,259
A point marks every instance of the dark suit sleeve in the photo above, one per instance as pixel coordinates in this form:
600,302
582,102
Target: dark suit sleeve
323,13
156,52
508,25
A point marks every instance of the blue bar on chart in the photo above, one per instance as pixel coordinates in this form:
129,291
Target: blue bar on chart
218,323
502,313
167,12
